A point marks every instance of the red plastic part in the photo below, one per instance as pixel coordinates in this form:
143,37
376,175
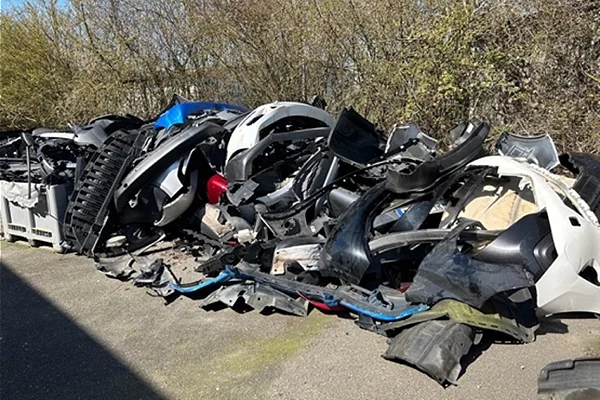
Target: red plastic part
215,187
404,286
323,306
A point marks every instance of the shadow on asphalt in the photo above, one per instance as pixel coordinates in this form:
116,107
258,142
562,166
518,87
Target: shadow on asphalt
46,355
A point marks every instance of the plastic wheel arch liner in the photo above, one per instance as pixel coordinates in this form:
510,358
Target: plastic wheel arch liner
465,314
248,132
435,347
576,239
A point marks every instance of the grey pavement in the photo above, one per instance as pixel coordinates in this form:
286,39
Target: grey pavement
69,332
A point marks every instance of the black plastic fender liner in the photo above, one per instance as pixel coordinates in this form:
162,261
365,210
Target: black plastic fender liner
346,253
587,169
435,347
160,158
427,174
448,273
577,379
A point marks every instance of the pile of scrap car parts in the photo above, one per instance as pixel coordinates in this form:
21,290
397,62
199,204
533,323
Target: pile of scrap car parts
290,209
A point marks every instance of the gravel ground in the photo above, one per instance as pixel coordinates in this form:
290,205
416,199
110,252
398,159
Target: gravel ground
68,332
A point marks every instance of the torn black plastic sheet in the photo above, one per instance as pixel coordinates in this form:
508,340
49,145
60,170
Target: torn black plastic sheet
435,347
257,296
116,267
448,273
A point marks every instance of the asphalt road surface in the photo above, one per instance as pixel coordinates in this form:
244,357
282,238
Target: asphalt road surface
69,332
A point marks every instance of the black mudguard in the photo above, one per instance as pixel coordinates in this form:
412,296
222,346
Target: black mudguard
435,347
